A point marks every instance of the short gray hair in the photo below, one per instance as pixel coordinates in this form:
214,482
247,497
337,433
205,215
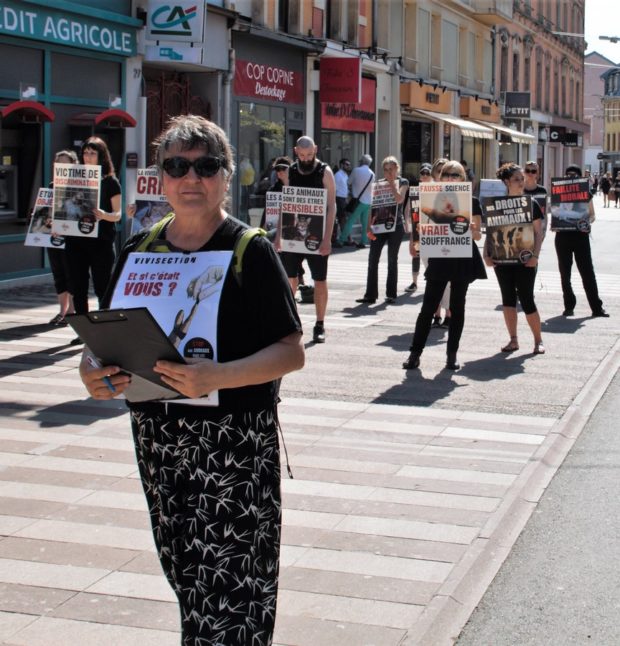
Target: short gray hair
190,131
366,159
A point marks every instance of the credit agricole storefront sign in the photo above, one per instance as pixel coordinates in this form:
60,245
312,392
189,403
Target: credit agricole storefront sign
73,30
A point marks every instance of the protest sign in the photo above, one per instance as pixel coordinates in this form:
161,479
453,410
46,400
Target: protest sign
510,229
40,231
304,211
445,220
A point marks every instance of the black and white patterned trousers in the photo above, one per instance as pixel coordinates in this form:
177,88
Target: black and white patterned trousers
213,491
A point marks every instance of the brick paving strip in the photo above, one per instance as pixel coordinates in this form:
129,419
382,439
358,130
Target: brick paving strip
395,523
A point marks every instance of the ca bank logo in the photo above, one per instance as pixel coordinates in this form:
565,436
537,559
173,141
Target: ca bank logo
173,20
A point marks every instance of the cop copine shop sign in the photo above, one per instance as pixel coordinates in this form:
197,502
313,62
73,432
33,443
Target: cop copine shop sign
76,31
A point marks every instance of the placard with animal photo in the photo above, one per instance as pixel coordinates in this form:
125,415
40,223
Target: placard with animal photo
273,209
510,229
304,211
41,232
445,220
383,209
151,203
76,196
570,204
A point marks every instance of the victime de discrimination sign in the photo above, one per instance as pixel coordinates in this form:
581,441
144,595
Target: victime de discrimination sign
73,30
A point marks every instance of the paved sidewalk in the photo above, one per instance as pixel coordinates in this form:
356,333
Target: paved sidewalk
398,517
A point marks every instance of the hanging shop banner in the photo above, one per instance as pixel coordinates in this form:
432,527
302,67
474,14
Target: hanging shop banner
352,117
510,229
445,220
178,21
570,204
341,80
268,82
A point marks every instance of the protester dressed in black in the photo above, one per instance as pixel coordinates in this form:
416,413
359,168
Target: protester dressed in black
460,272
95,257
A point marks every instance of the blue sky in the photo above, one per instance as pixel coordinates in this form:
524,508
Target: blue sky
603,19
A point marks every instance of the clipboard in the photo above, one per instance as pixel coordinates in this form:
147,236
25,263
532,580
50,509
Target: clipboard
132,339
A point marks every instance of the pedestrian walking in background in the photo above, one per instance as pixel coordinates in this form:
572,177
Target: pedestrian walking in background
616,186
361,191
399,187
605,188
211,474
460,272
517,281
575,245
341,178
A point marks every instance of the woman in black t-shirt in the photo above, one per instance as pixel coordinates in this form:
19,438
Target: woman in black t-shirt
211,473
459,272
517,281
95,256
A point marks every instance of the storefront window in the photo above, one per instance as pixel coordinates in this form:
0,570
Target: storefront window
336,145
261,139
417,145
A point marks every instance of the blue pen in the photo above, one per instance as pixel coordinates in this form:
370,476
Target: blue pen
106,380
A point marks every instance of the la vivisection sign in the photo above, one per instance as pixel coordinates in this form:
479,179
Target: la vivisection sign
74,30
268,82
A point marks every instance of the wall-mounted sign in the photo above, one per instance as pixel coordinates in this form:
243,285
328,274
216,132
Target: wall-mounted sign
341,80
268,82
556,134
178,21
517,104
354,117
571,139
72,30
174,53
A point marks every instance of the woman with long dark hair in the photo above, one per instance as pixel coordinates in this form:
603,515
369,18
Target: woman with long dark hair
95,256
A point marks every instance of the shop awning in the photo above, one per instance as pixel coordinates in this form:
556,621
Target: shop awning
467,128
108,118
516,136
29,111
115,118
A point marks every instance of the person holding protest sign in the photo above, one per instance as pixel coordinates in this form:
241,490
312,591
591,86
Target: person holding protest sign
396,189
58,260
211,473
569,244
309,172
460,272
95,256
517,280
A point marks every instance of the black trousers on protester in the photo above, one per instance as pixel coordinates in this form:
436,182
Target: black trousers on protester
567,245
393,241
213,492
85,258
432,297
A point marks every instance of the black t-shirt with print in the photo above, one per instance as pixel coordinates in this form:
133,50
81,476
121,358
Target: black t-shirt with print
251,316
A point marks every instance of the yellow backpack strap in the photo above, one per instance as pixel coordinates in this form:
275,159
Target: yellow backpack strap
154,233
239,249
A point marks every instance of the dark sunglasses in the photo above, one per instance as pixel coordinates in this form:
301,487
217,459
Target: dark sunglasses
425,172
452,175
279,168
531,171
203,166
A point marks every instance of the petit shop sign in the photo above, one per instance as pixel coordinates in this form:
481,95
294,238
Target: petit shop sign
72,30
268,82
